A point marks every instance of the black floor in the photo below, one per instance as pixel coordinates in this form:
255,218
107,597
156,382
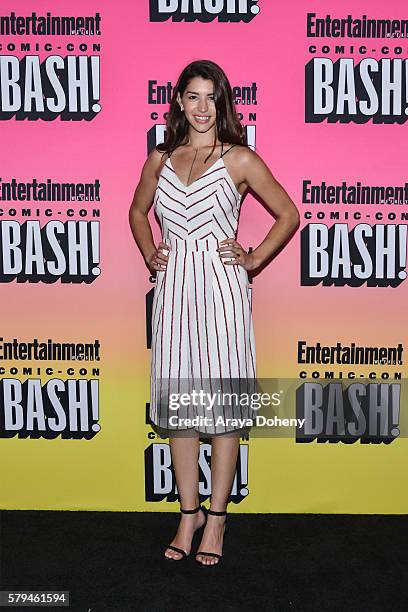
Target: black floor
113,562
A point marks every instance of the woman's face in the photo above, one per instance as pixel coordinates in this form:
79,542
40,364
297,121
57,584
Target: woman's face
198,103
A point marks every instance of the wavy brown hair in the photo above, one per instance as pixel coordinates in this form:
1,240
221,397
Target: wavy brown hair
228,125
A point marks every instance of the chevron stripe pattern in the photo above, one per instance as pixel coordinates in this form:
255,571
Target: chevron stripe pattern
202,326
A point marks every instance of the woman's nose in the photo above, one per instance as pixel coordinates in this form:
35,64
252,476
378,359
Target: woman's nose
202,107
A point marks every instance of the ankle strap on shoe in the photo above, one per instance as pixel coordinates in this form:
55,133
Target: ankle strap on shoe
190,511
216,513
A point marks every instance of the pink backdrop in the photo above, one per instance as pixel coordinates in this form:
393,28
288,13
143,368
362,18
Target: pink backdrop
272,50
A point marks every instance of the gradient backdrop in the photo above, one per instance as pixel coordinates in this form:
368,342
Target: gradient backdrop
108,471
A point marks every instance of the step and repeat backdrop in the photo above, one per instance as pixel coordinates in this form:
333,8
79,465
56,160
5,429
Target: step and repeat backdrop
322,94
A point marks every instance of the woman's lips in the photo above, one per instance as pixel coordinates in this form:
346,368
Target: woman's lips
199,120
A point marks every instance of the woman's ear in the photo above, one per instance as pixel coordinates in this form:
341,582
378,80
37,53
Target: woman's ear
179,101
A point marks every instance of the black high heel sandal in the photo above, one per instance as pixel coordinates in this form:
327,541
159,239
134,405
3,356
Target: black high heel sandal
211,554
180,550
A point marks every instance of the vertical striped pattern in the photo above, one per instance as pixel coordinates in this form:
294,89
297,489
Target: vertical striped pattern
202,328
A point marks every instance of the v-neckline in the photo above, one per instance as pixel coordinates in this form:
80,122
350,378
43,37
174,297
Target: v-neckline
197,179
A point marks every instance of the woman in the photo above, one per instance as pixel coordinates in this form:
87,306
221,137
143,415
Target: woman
201,316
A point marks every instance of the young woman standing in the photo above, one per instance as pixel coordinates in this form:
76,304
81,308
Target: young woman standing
202,328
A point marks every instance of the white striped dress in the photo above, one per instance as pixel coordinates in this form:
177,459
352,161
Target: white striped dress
202,327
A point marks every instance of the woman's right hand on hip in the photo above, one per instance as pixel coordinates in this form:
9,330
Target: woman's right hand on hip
159,259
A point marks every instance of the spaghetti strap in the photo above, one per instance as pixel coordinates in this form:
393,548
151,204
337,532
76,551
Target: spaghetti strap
222,154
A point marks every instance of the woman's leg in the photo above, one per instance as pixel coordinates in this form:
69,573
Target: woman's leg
224,455
184,454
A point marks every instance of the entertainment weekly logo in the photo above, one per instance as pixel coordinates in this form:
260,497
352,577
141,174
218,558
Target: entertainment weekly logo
203,10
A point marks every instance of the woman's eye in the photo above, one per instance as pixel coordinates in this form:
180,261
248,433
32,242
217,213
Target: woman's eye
194,97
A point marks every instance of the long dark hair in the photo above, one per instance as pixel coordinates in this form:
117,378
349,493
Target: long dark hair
228,125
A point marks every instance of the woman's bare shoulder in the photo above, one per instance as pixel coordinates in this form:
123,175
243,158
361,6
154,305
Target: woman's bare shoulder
155,161
242,161
158,156
237,151
239,156
242,156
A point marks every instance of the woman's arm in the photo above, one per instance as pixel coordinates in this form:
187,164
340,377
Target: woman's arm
141,203
256,175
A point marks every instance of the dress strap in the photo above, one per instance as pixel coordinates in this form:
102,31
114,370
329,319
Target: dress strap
222,154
